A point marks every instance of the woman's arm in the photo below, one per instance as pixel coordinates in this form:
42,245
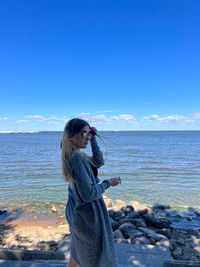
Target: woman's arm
97,157
87,191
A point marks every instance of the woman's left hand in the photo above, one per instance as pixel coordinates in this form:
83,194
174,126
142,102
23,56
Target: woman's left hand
94,131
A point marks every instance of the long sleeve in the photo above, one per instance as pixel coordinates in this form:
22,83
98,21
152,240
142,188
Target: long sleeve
86,190
97,157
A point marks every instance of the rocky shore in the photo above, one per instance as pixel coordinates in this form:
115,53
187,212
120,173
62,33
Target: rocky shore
131,222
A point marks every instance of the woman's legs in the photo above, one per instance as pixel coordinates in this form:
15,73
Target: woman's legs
72,262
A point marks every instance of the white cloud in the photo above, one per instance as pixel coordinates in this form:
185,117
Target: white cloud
3,118
105,122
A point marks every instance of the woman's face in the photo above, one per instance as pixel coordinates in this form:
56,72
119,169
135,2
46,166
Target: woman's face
81,139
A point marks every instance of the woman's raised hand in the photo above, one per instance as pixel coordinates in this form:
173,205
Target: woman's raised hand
93,131
115,181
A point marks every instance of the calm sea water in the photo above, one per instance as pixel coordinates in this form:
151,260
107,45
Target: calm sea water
154,166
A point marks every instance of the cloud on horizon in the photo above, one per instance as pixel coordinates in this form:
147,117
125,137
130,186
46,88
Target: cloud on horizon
103,122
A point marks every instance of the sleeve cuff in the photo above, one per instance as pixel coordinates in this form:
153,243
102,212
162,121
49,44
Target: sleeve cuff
107,182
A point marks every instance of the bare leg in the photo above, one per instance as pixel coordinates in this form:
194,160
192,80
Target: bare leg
72,262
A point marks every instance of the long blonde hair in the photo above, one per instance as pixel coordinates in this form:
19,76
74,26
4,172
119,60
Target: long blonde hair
72,127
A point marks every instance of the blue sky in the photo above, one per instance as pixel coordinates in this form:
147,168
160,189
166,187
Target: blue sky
120,64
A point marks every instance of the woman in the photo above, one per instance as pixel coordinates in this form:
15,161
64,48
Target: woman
92,243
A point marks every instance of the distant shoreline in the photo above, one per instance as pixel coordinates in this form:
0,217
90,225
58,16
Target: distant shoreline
109,131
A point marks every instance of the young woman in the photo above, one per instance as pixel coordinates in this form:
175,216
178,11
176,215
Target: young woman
92,243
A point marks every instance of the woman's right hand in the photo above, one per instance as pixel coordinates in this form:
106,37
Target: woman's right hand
115,181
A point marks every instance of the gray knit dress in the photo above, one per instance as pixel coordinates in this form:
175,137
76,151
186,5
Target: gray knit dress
92,243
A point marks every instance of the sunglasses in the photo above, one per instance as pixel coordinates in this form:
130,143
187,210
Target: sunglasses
86,134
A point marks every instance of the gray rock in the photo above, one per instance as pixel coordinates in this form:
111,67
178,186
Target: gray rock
121,241
111,213
141,241
127,226
180,241
133,215
177,253
126,220
127,209
127,229
115,225
147,231
149,219
161,206
166,232
139,222
134,233
118,234
157,237
162,223
152,241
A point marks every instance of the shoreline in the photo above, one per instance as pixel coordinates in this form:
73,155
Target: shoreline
132,223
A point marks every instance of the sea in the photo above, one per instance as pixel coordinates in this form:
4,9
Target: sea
155,167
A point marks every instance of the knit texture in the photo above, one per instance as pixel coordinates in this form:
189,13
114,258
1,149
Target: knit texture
92,243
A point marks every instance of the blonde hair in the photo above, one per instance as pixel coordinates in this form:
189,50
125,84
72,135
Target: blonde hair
71,128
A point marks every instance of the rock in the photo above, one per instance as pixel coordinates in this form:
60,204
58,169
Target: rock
147,231
126,229
133,215
58,237
64,227
111,213
145,211
152,241
149,219
134,233
127,209
141,241
121,241
119,202
139,207
166,232
197,212
161,206
118,234
197,248
177,253
119,214
161,223
126,220
163,242
108,202
157,237
115,225
54,209
180,241
139,222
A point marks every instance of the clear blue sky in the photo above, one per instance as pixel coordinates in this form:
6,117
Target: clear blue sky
120,64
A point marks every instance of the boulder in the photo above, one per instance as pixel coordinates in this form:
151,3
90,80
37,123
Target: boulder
141,241
133,215
127,209
139,222
161,206
121,241
118,234
108,202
